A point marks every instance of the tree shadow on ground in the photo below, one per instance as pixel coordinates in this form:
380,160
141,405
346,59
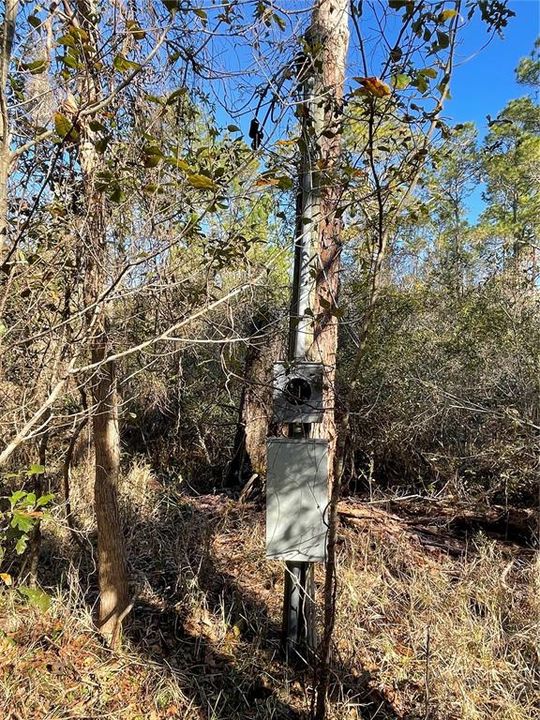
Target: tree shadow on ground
212,627
237,672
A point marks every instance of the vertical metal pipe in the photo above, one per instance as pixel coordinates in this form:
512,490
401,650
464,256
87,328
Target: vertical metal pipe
298,600
301,320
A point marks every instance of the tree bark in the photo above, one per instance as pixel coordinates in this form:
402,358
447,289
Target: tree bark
8,33
249,455
112,563
330,33
112,566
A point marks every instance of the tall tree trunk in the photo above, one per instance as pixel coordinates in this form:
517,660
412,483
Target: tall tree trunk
249,455
331,33
6,40
112,564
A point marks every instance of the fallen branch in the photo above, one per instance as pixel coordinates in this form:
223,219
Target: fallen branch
444,526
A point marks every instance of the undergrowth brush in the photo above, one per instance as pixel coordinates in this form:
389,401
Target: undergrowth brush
419,635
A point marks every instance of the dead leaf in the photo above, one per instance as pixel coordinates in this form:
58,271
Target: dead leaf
375,87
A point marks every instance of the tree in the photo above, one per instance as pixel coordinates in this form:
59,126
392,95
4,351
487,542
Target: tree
8,33
329,39
249,449
453,349
511,156
111,558
447,188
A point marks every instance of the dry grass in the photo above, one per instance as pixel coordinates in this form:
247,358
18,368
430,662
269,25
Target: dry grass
443,639
53,667
417,635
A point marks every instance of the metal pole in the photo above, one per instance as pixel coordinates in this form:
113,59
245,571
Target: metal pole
298,602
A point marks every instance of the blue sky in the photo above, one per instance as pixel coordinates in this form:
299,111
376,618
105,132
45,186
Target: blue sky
484,78
482,84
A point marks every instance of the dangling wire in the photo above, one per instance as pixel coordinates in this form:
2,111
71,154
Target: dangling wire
255,133
256,128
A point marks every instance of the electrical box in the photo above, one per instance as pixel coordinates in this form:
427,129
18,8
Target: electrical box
297,499
298,392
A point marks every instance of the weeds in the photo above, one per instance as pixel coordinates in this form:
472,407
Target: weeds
418,635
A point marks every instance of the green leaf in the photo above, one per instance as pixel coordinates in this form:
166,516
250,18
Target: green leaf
101,144
152,149
443,39
171,5
16,497
402,81
152,156
285,183
36,67
20,545
421,83
201,182
22,521
71,61
135,29
396,54
35,469
117,195
64,127
201,13
78,32
67,40
28,501
233,128
123,65
44,499
3,329
428,72
179,163
34,21
151,161
36,597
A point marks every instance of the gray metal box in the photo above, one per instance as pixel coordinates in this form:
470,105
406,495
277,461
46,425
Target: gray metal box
297,499
298,392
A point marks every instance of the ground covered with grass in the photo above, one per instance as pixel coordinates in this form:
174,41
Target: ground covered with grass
421,633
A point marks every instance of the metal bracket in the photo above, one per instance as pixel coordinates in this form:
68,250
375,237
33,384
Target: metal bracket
298,392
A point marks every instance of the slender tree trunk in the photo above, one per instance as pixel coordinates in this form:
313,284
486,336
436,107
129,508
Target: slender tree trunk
112,567
8,32
112,563
255,411
331,33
